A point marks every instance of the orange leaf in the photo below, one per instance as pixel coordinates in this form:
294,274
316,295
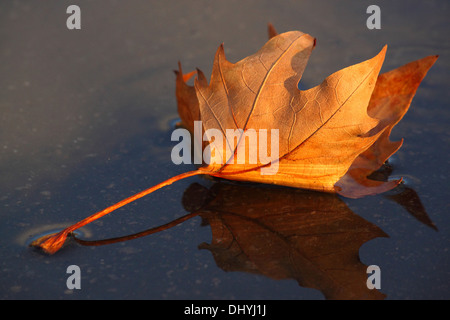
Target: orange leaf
343,123
390,101
330,137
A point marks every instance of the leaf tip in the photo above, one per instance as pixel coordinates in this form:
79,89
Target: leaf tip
201,79
272,32
179,71
433,59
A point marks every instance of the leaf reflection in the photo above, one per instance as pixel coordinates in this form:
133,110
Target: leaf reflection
283,233
404,196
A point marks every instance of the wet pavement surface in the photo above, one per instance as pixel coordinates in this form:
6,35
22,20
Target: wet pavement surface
86,118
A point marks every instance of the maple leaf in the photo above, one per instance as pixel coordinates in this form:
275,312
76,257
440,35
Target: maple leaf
331,137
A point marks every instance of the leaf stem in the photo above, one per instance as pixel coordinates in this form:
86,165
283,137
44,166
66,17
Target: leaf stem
52,243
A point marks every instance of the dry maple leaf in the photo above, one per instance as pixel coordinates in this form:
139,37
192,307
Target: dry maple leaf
331,137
